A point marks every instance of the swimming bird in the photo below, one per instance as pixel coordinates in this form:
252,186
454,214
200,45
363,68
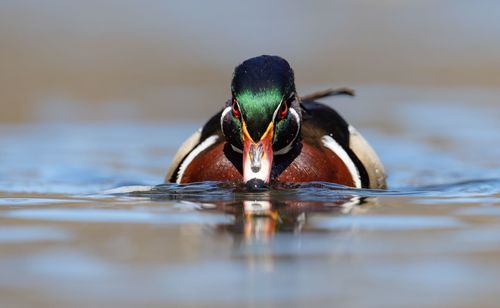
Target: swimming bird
267,133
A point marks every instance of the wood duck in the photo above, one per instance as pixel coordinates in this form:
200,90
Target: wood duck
266,133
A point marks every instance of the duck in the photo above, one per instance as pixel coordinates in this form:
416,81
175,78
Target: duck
266,133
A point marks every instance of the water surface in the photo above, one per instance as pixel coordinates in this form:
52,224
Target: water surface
86,221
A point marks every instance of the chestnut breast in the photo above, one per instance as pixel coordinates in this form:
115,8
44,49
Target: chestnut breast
304,163
312,164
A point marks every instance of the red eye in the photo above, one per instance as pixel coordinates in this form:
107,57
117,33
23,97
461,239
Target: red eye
236,109
283,112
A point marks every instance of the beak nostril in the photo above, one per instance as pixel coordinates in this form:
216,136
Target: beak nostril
255,157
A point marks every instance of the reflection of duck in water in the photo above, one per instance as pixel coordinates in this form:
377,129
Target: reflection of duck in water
284,208
262,219
267,133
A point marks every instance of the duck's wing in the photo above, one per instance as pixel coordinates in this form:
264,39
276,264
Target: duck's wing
211,128
369,158
328,92
324,126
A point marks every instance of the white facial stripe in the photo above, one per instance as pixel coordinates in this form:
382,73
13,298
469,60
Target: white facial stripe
275,113
296,115
289,146
278,108
284,150
236,149
331,144
192,155
223,115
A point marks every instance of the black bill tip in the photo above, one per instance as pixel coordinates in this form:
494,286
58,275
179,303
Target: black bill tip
255,185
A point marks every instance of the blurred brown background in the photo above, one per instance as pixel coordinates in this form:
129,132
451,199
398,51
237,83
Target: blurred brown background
168,60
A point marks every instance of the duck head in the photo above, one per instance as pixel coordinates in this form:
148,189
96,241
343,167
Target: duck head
263,116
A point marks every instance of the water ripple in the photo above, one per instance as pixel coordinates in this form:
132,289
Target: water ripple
308,192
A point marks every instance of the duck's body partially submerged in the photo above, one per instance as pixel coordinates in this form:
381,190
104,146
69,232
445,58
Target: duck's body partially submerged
267,133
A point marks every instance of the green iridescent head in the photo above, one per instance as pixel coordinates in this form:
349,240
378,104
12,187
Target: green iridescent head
263,92
263,117
259,86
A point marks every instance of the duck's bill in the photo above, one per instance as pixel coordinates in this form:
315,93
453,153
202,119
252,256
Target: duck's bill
258,156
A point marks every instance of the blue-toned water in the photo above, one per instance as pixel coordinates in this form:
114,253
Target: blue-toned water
86,221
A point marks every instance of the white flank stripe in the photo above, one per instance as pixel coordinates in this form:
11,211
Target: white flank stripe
197,150
331,144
